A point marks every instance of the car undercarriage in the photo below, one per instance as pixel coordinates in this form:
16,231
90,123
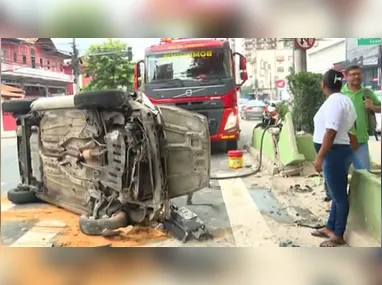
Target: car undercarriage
112,158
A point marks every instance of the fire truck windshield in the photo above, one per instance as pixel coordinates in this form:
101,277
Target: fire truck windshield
189,67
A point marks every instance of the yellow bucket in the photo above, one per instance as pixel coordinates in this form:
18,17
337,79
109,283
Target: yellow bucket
235,159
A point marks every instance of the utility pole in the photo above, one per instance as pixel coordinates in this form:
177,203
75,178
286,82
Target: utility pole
300,61
76,67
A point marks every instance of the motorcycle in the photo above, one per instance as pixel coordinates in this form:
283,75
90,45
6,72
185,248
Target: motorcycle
270,116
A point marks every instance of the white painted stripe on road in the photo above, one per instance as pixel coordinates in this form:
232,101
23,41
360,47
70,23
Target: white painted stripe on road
6,206
37,237
248,224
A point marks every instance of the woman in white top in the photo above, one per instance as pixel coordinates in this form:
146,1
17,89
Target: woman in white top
334,140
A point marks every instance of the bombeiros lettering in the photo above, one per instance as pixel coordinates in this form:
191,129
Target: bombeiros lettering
204,53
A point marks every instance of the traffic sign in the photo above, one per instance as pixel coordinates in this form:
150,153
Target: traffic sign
369,41
304,43
280,83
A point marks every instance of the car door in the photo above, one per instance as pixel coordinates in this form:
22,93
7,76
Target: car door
189,150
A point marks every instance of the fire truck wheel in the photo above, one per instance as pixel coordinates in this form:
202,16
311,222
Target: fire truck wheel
104,99
17,106
232,145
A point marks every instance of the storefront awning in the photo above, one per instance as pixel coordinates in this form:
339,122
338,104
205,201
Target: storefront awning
11,92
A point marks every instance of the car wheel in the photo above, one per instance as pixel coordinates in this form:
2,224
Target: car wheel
20,196
232,145
95,227
17,106
105,99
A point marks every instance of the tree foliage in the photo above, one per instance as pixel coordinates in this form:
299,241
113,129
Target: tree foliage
282,109
307,99
109,66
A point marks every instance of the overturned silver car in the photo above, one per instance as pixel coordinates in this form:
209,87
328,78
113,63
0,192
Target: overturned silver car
109,156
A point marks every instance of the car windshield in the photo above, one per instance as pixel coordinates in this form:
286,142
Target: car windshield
189,65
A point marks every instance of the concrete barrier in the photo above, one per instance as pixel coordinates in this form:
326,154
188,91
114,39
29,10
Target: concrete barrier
305,146
269,148
365,203
375,153
287,144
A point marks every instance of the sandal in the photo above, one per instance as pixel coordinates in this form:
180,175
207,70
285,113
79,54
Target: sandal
332,243
320,234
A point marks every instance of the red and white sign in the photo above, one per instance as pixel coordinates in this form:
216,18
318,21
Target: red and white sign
280,83
304,43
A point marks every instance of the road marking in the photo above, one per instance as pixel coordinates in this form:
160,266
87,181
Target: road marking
37,237
248,225
6,206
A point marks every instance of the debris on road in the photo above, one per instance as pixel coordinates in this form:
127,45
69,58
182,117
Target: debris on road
71,236
184,224
305,218
288,243
297,188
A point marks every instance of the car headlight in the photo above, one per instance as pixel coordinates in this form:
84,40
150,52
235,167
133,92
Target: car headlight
232,121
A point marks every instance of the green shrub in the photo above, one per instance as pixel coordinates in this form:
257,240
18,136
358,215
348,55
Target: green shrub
307,99
282,109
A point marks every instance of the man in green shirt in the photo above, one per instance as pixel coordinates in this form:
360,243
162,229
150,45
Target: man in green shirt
355,91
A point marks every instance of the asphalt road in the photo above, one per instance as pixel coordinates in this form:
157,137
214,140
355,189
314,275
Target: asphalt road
9,165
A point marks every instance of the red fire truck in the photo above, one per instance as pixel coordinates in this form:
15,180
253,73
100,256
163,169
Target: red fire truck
198,75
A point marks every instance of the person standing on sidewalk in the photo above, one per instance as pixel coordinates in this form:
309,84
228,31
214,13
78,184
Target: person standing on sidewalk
334,143
364,100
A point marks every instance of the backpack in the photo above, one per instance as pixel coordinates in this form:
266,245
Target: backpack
370,115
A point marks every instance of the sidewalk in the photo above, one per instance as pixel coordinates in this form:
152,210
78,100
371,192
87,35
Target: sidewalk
375,151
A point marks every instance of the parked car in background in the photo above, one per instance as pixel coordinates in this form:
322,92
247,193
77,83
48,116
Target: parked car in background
253,109
242,102
378,115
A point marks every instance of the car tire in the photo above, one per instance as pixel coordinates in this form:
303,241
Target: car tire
96,227
232,145
21,196
105,99
17,106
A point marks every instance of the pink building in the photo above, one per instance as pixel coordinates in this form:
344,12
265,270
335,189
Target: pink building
34,65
